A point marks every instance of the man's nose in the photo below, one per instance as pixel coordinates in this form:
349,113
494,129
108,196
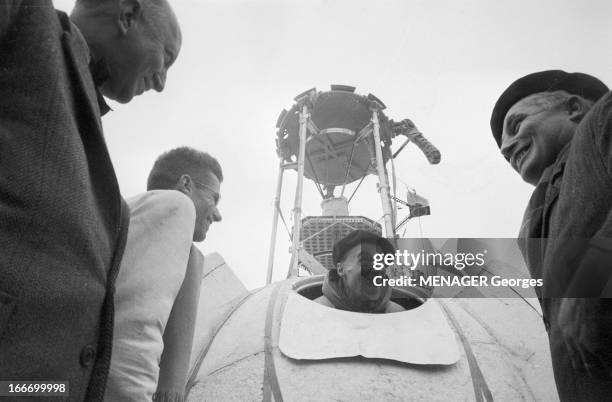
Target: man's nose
159,81
216,215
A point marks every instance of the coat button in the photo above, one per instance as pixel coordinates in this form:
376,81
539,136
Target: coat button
88,355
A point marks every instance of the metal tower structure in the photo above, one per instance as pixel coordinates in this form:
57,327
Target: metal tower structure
335,138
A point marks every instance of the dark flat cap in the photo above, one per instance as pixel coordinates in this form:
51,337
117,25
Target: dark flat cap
584,85
359,237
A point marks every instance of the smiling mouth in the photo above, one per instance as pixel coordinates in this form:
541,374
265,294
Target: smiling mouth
371,292
520,156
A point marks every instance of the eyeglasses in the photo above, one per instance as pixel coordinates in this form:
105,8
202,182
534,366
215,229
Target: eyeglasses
216,195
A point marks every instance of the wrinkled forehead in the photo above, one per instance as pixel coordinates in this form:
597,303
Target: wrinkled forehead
529,105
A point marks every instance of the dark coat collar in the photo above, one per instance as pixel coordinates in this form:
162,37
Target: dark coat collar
99,69
99,74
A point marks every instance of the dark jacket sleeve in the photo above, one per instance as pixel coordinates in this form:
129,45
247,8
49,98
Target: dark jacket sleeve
593,272
600,130
599,127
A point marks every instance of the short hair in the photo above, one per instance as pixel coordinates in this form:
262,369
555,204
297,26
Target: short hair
554,100
171,165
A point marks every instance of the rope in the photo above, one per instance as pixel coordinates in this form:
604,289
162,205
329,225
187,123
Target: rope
517,293
359,184
420,228
315,175
280,213
394,216
348,168
198,362
481,389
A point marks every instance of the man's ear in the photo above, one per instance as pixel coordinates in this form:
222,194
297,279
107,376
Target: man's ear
130,12
576,108
185,184
340,269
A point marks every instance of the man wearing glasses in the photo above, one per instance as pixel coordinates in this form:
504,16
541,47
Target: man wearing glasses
195,174
158,286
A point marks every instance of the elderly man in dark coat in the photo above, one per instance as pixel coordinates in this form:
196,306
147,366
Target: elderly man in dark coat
63,223
555,130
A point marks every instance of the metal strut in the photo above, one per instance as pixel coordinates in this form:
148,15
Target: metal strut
383,186
297,205
279,185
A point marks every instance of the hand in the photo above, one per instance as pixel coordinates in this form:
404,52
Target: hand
581,322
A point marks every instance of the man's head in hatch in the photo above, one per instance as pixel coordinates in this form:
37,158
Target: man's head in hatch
350,285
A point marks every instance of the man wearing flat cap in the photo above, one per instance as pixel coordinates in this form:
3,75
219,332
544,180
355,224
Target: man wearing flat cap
555,130
350,286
